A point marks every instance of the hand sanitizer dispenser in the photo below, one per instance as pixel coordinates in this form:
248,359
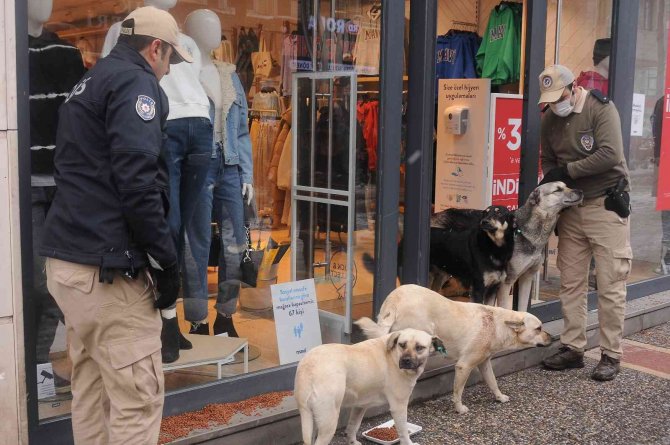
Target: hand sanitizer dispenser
457,119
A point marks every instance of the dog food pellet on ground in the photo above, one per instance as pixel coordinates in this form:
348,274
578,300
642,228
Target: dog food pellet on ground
387,434
175,427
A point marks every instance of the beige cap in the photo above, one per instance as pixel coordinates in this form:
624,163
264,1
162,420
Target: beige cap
553,81
153,22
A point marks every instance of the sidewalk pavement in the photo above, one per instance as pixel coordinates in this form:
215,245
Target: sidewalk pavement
564,407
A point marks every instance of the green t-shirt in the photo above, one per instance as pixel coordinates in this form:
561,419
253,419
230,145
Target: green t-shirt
499,56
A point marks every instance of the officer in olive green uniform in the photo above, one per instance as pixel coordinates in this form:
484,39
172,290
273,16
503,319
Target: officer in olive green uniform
582,146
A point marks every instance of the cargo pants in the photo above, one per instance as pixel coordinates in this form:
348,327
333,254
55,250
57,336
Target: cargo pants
115,346
585,231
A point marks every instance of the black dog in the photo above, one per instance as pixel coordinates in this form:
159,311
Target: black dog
473,246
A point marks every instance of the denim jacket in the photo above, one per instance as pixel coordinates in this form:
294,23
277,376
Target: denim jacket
237,143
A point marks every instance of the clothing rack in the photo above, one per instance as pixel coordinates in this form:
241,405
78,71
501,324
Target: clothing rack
459,23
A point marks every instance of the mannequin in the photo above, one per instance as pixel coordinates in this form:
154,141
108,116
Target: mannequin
187,151
55,67
38,13
226,191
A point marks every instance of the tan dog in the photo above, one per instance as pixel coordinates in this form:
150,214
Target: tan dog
471,332
373,372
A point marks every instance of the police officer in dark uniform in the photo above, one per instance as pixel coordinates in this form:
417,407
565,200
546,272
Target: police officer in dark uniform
111,260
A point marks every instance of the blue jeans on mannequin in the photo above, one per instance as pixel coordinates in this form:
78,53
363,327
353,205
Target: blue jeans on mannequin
223,203
187,152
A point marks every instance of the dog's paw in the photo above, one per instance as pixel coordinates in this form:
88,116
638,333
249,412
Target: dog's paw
354,442
502,398
461,409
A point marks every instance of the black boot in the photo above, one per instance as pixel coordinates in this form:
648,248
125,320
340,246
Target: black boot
184,343
224,324
199,328
606,369
170,340
565,358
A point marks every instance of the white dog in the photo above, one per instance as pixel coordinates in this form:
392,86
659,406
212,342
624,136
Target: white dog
471,332
373,372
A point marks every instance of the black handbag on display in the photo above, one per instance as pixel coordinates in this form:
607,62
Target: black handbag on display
618,200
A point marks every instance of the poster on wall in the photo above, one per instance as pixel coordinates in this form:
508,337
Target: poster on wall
462,158
505,142
663,186
296,316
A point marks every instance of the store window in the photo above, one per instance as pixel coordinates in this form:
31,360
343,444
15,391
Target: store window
582,30
479,52
650,232
309,72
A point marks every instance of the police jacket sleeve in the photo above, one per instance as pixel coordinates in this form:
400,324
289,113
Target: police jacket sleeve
609,144
547,156
133,121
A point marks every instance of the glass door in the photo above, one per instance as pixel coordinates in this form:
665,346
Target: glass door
323,192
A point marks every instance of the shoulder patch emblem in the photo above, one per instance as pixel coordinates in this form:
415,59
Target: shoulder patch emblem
587,142
145,107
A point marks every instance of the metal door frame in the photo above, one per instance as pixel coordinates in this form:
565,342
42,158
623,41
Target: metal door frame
301,193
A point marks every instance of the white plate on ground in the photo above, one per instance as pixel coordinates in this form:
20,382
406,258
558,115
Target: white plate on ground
413,429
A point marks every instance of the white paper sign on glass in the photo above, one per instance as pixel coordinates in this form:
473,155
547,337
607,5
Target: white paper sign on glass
296,317
637,116
45,381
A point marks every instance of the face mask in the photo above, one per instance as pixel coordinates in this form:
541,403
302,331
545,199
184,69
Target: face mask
563,108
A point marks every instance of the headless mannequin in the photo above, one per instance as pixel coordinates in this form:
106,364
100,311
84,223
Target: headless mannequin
55,66
39,12
225,201
204,27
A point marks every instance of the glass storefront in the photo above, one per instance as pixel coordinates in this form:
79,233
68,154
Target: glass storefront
650,231
311,71
314,150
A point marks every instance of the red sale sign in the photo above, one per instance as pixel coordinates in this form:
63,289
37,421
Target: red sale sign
505,137
663,190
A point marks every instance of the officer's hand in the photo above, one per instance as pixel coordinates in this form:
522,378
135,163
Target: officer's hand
559,174
167,285
248,192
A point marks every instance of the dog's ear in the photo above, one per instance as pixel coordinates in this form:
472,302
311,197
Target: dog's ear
438,345
534,198
392,341
516,326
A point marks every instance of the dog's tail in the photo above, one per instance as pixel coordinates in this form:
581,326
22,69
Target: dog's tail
387,318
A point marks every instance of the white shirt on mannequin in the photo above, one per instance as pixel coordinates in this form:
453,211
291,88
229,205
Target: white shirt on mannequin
185,94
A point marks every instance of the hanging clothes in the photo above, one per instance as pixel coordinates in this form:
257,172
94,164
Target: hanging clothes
367,47
267,104
247,43
456,55
499,55
263,134
295,57
367,114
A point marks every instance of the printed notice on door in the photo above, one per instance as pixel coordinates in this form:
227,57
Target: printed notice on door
462,158
296,319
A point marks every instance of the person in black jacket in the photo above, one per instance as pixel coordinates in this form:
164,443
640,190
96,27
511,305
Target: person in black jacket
107,239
